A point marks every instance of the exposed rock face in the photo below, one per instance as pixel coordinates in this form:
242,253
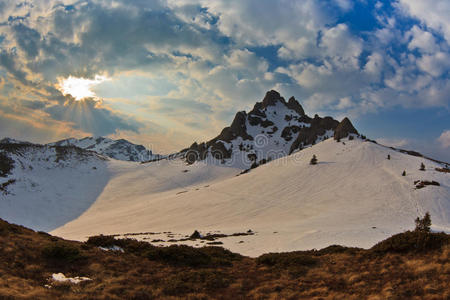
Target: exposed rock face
344,129
272,129
117,149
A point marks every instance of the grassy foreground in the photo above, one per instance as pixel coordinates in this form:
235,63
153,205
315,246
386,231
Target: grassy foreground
410,265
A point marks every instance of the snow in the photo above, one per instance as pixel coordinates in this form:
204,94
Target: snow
112,248
354,196
117,149
60,277
49,192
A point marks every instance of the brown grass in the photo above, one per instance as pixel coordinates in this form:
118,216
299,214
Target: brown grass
28,259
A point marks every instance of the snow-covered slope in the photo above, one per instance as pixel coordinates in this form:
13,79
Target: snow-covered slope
354,196
44,187
272,129
117,149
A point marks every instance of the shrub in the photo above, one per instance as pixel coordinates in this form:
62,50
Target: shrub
62,252
411,241
286,260
179,255
102,240
313,160
422,167
389,156
351,137
404,173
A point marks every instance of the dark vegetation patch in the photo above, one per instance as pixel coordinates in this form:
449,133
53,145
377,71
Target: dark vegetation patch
62,252
6,164
443,170
411,241
4,186
422,183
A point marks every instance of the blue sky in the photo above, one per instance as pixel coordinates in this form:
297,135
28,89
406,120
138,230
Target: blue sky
178,71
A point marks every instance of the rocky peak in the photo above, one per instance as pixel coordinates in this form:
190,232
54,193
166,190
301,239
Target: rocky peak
271,98
272,129
295,106
344,128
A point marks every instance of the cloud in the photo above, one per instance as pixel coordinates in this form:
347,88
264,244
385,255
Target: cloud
444,139
434,13
191,64
89,116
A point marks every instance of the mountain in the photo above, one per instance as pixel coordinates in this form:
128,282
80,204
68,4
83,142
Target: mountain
272,129
354,196
357,194
44,186
117,149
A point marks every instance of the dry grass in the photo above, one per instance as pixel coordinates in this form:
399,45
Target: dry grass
28,259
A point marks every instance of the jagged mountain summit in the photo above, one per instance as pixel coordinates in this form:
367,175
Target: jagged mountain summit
272,129
117,149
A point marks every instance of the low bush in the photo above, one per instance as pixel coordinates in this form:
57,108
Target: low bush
286,260
61,251
182,255
411,241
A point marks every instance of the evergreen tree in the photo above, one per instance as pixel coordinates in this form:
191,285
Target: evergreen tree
422,167
423,225
404,173
313,160
389,156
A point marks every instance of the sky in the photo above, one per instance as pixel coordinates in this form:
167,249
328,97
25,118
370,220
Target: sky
167,73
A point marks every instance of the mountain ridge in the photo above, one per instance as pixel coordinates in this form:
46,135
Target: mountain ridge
273,128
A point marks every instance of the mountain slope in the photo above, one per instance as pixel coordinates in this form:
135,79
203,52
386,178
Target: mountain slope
44,187
353,196
272,129
117,149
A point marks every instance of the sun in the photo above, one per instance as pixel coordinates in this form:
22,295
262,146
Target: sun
79,88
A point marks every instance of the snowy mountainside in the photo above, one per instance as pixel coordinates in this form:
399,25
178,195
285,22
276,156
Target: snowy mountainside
117,149
45,186
354,196
272,129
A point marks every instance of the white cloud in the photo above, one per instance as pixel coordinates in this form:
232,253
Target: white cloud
434,13
341,45
422,40
435,64
444,139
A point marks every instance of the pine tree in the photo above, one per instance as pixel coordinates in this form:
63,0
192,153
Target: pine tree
389,156
404,173
423,225
422,167
313,160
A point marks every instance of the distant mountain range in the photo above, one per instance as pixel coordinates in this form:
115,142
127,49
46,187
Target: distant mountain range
117,149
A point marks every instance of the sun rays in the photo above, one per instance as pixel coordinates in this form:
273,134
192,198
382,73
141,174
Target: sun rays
79,88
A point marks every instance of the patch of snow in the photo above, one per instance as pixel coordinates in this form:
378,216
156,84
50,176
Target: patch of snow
60,277
112,248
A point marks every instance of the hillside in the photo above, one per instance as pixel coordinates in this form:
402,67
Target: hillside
44,187
354,196
411,265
